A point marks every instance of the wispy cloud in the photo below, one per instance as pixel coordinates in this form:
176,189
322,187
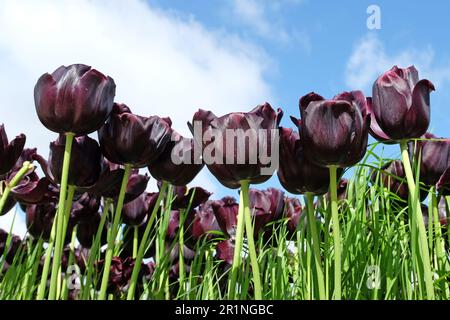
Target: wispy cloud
264,19
370,58
162,64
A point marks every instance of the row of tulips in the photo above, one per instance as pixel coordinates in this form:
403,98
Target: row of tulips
89,188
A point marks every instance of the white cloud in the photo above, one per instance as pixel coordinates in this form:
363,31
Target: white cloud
161,64
262,17
369,59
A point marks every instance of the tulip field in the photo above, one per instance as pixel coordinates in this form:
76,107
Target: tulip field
346,224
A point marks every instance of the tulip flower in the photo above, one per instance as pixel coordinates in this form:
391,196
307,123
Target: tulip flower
179,163
10,151
434,157
334,132
85,207
136,212
85,161
189,197
87,230
225,251
297,174
400,105
226,212
39,220
204,221
266,206
243,161
293,211
75,99
129,139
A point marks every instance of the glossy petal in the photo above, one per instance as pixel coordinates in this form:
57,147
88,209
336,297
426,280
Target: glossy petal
10,151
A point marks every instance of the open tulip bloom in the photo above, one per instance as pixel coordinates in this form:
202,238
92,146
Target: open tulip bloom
95,231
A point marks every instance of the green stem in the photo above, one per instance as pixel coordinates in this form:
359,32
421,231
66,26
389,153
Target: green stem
250,240
59,218
336,234
420,224
113,234
316,244
181,252
135,241
237,249
15,180
143,244
46,268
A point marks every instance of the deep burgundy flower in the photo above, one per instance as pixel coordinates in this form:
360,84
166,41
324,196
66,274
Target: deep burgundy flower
297,174
16,246
225,251
174,224
3,238
444,217
400,106
110,180
204,221
293,211
39,220
443,185
183,195
179,163
135,213
244,158
85,207
127,248
10,151
127,138
392,176
87,230
226,211
265,206
334,132
85,161
115,280
434,157
74,99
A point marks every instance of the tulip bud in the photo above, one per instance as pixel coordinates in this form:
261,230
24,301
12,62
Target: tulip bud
10,151
39,220
74,99
400,105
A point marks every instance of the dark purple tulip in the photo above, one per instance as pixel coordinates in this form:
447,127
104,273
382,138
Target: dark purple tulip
87,230
127,249
400,107
434,156
135,213
293,211
204,221
39,220
85,207
15,247
3,238
265,206
442,212
334,132
10,151
174,224
259,127
186,166
225,251
341,189
393,178
109,182
85,161
226,211
115,279
74,99
443,185
127,138
296,173
183,195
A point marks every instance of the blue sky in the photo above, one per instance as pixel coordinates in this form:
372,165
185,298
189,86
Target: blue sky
171,57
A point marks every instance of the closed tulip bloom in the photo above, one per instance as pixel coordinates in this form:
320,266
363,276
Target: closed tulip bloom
130,139
10,151
75,99
400,105
3,238
39,220
297,174
293,211
134,213
244,158
265,206
178,164
85,161
87,230
434,157
226,211
84,207
334,132
204,221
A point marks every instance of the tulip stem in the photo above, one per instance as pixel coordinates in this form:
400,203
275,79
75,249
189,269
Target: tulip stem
237,248
181,266
113,234
251,242
59,218
135,241
312,223
336,234
15,180
143,244
420,224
